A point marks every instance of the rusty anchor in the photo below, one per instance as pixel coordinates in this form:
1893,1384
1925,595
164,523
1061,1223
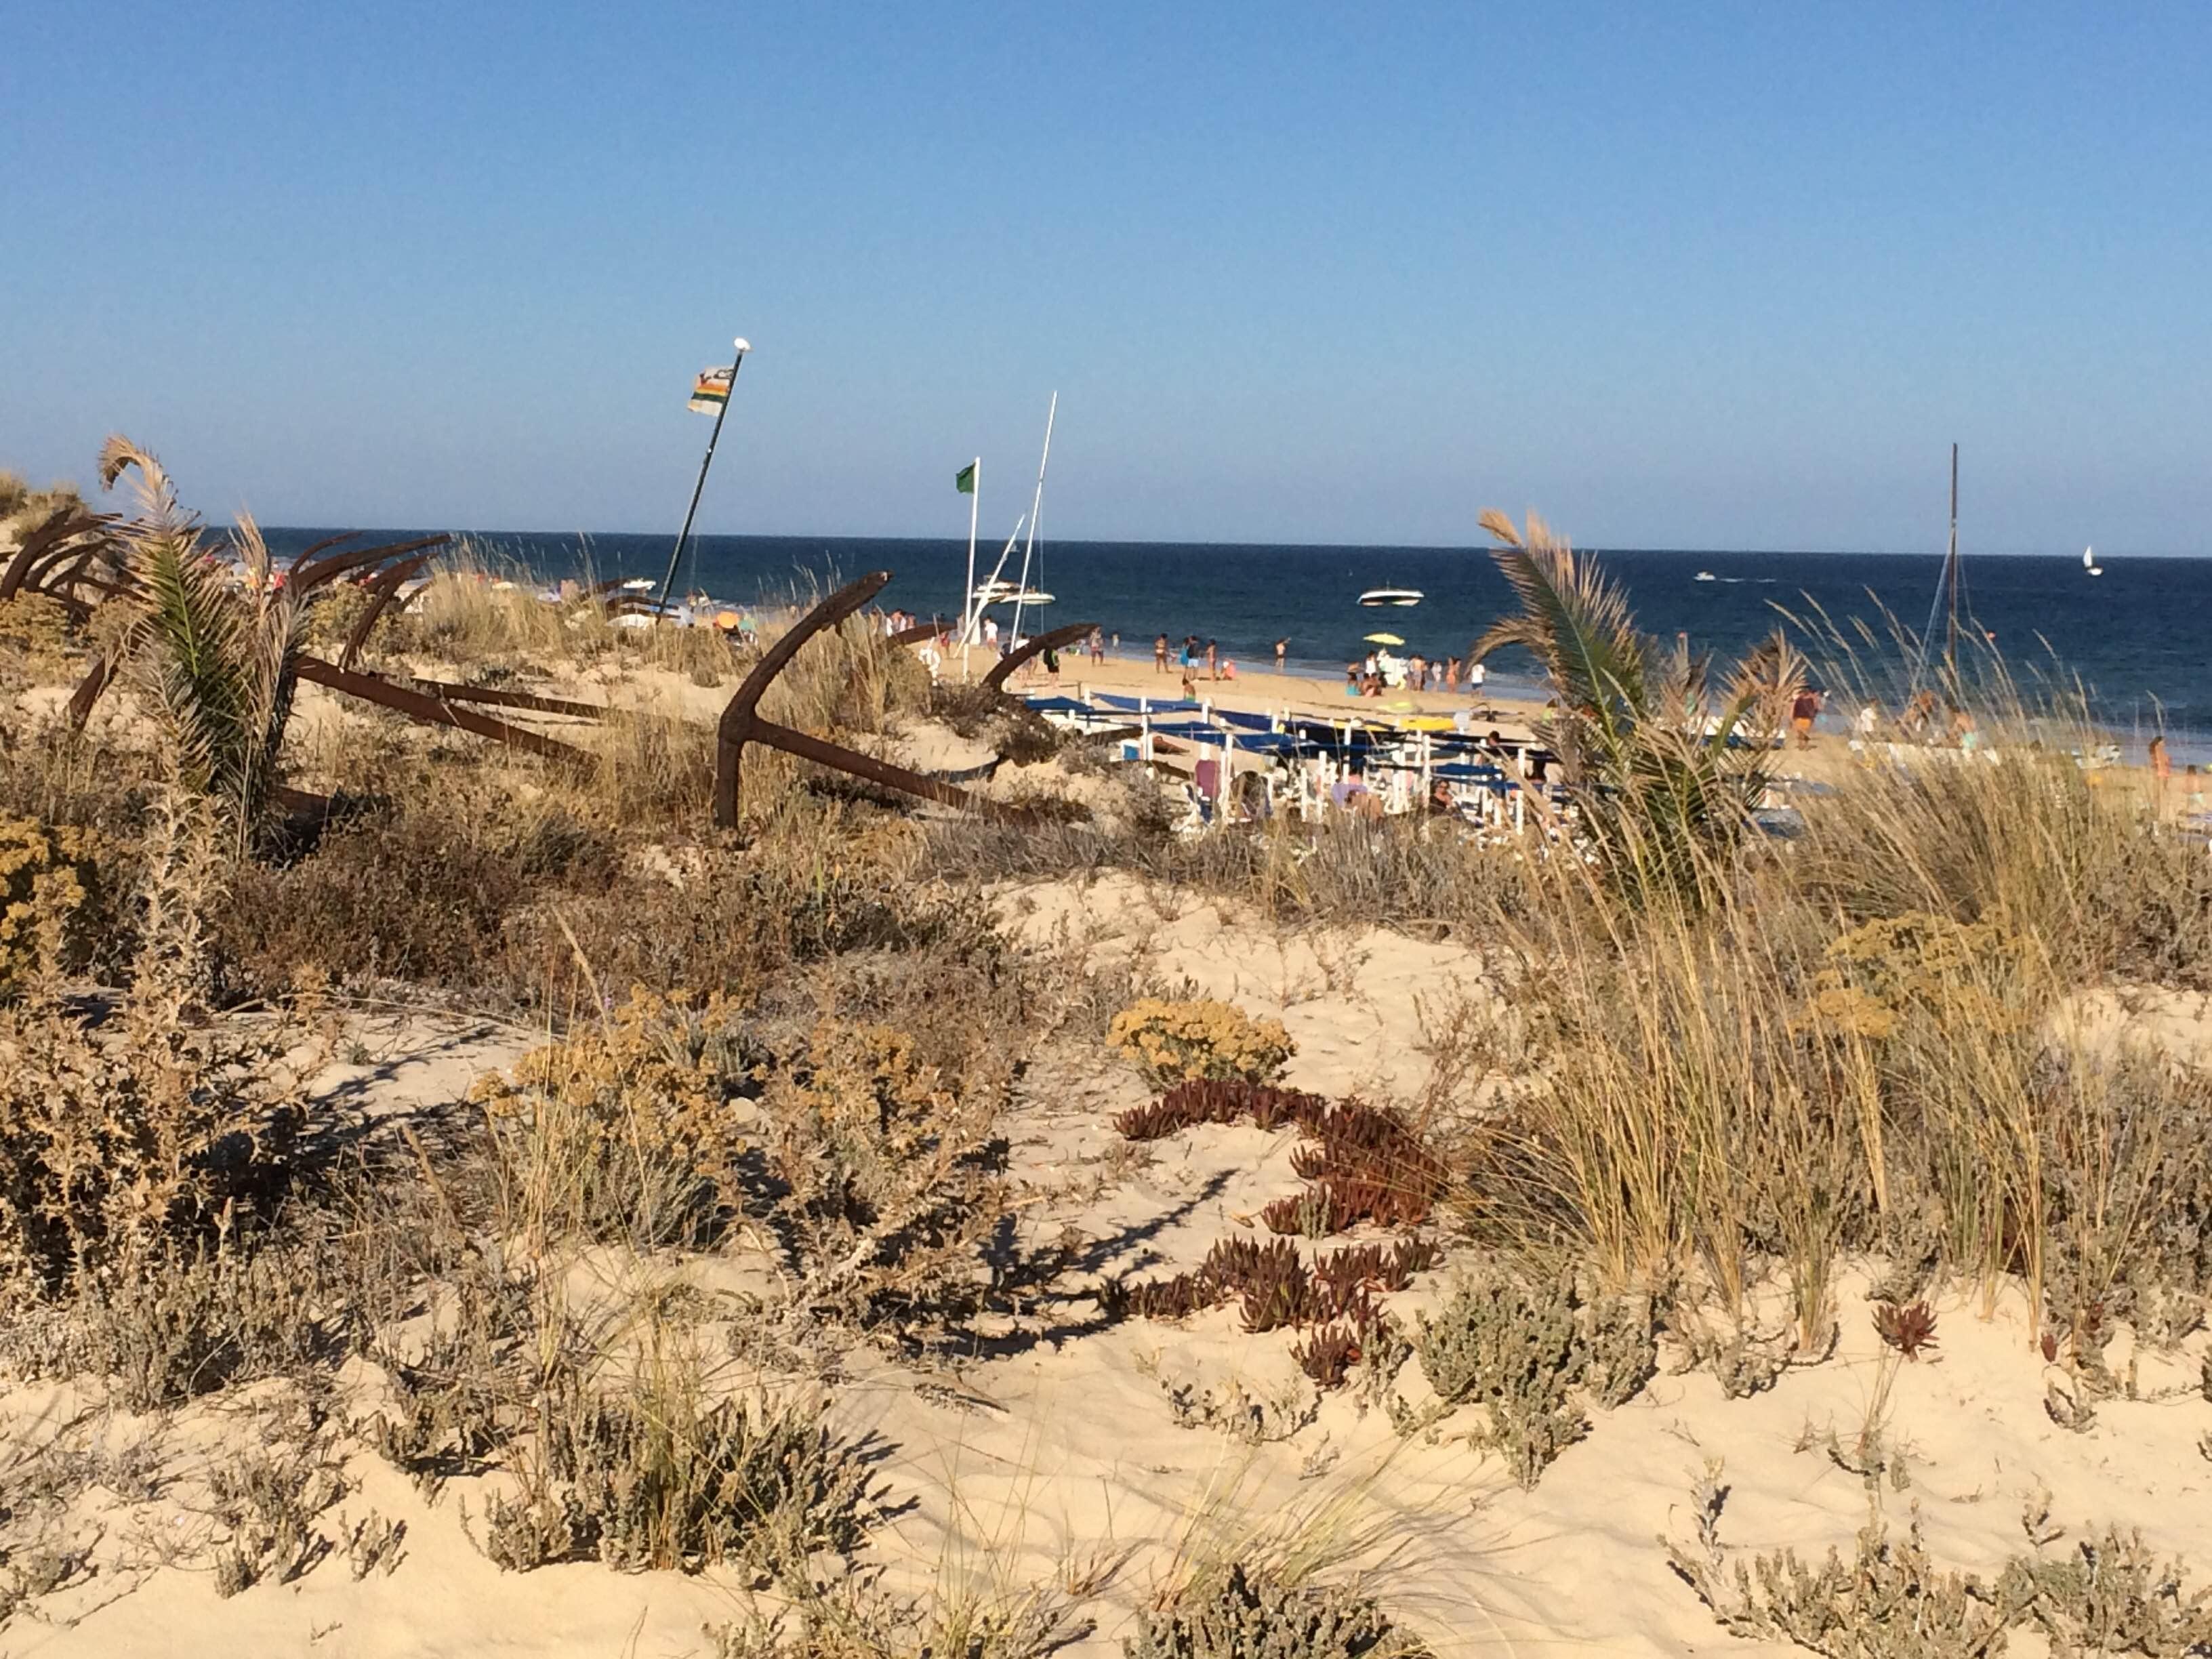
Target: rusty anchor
1059,639
741,724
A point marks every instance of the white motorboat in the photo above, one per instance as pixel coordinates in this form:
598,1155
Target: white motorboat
1396,598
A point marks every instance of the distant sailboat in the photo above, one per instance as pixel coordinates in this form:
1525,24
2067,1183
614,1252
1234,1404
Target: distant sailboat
1948,597
2089,562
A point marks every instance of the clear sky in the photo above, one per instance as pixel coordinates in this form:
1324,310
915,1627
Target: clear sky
1676,275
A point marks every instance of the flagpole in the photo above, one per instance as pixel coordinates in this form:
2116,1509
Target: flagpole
967,598
708,460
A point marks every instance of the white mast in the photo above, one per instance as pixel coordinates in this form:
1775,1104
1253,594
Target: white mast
1036,511
990,586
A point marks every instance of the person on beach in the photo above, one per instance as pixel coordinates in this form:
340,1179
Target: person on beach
1228,669
990,632
1351,679
2161,770
1417,673
1802,711
1097,646
1868,722
1189,684
1476,675
1160,654
1214,659
1282,654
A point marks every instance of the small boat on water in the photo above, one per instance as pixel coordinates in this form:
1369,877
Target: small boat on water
1397,598
2089,564
1707,576
1006,592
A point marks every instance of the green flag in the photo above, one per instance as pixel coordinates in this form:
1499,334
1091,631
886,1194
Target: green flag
964,480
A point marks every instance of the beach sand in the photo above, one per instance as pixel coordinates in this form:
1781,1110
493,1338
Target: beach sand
1264,691
1078,1460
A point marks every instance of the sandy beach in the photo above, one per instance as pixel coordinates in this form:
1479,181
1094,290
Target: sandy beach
1264,691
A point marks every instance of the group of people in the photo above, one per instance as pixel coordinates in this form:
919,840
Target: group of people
1192,652
1379,672
897,622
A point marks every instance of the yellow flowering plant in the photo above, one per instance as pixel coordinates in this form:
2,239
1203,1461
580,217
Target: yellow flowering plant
1883,970
1170,1041
45,877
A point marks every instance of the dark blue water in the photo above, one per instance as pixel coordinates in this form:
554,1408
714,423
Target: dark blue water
2134,636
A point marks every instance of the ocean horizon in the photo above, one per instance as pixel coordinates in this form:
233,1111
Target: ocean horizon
2132,637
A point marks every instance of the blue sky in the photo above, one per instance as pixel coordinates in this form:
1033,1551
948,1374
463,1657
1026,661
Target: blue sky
1677,275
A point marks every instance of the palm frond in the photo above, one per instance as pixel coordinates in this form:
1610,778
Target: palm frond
1663,784
1501,528
272,648
1577,623
187,648
1766,682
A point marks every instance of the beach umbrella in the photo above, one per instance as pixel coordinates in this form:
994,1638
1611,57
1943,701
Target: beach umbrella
1384,639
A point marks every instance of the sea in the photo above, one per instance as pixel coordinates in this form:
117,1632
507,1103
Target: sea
2133,640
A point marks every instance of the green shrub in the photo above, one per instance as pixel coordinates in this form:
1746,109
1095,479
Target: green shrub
1255,1615
1522,1348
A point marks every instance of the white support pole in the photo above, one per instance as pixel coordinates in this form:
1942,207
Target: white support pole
974,628
1037,513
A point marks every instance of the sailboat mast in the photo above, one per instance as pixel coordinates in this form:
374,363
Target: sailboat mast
1951,566
1036,511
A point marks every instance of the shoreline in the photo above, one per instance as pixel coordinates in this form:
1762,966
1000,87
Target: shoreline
1516,715
1266,692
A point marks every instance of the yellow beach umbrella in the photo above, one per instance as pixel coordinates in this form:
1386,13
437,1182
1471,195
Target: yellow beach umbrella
1384,639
